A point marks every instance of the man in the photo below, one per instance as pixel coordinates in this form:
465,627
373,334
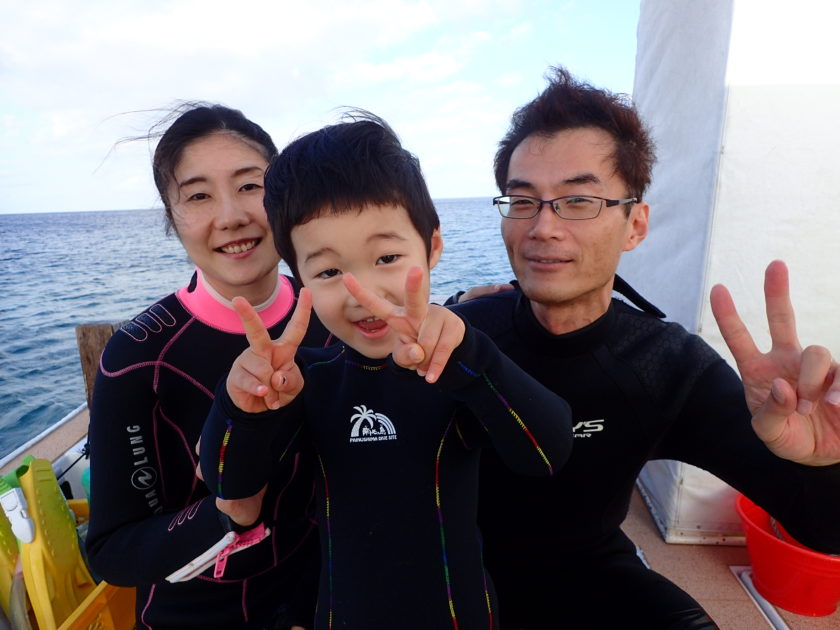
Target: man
573,170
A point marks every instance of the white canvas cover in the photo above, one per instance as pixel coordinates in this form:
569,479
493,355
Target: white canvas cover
743,99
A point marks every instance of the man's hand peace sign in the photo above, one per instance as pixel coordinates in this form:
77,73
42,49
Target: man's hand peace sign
793,394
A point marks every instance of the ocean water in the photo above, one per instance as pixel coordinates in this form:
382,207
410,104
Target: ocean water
59,270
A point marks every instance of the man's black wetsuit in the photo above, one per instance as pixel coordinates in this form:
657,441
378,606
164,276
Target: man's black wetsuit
150,515
397,492
640,389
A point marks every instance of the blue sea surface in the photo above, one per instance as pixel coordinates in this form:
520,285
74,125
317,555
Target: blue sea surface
59,270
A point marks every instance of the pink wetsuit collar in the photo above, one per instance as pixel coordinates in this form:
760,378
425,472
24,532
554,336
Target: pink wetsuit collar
215,311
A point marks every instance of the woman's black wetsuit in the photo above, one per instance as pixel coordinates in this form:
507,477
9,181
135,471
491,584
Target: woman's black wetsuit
150,515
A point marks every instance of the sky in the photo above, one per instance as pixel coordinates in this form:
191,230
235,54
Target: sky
76,78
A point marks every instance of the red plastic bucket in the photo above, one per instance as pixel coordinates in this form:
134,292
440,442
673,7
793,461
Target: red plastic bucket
786,574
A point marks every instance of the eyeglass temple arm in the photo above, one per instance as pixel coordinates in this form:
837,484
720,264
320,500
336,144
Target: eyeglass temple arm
618,202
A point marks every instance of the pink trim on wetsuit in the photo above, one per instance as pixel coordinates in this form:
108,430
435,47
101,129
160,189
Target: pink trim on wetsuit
218,313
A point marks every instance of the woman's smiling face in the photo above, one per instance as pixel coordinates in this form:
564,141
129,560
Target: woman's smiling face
217,208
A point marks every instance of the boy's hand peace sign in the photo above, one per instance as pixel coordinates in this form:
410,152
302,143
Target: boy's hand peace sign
426,333
265,376
793,394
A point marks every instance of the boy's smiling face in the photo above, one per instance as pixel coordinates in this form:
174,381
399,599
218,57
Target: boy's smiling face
378,246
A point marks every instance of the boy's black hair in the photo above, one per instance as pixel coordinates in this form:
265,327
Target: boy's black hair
343,168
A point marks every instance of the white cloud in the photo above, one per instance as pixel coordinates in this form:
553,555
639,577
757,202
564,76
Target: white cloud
77,77
509,79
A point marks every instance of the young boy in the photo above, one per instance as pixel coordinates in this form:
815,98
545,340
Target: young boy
398,452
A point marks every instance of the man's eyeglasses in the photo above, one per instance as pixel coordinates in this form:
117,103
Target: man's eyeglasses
572,207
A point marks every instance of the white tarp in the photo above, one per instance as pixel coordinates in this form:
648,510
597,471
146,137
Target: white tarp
743,99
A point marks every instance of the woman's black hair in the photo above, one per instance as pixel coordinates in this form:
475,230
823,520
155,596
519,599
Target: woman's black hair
191,122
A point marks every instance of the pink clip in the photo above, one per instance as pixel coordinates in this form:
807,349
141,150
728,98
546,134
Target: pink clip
240,542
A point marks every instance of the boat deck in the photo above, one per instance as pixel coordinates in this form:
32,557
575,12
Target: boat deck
54,442
703,571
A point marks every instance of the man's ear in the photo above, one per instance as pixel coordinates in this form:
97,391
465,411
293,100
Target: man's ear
638,221
436,248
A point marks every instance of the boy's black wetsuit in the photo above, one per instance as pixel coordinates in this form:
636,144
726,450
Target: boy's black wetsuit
639,389
150,515
397,493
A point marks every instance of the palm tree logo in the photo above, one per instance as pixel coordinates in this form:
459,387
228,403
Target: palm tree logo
368,424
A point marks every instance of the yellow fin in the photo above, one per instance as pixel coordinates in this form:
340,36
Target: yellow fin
56,577
8,559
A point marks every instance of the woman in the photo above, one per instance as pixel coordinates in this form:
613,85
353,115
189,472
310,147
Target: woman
150,516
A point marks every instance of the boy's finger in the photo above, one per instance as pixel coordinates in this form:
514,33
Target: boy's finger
378,306
440,358
255,331
272,399
416,302
243,512
428,336
295,330
241,385
450,338
254,365
287,381
408,355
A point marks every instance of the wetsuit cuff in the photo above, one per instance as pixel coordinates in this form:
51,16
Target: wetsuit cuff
236,447
229,525
820,531
468,361
454,299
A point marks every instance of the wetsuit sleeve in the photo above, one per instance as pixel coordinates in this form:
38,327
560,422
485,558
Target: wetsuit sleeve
714,432
453,299
238,448
527,424
131,540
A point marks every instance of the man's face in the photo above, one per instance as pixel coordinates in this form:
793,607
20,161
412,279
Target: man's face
565,267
